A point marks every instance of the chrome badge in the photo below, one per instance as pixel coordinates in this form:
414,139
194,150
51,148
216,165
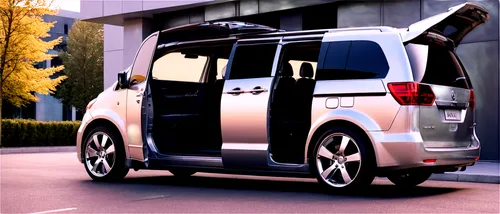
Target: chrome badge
453,96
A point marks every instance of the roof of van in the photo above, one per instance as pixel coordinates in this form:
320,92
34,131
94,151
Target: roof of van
227,29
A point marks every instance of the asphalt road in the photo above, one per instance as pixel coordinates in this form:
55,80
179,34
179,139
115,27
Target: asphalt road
57,182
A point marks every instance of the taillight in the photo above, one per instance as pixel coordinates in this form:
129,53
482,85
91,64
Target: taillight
472,99
412,93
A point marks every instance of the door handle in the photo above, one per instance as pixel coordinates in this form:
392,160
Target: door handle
235,91
258,90
139,94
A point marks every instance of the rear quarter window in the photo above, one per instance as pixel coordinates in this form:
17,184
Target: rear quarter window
352,60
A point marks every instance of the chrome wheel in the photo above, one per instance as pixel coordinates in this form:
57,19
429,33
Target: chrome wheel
338,160
100,154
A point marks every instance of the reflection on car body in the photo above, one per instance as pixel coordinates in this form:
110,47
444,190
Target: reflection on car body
343,105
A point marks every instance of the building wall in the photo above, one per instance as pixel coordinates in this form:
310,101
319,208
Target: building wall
113,53
479,52
49,108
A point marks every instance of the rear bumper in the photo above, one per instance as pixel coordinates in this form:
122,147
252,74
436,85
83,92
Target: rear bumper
406,151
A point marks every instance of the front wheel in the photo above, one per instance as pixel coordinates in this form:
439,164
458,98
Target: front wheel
409,179
104,155
341,160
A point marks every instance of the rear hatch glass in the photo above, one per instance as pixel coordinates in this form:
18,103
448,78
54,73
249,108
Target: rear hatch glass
448,122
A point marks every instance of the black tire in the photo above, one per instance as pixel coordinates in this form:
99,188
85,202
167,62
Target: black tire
118,169
365,169
409,179
182,172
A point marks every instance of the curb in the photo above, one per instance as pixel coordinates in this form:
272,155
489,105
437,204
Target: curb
45,149
475,178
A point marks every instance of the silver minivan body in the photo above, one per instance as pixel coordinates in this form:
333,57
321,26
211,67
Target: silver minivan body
415,116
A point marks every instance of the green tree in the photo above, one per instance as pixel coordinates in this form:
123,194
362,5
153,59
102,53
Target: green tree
22,30
83,65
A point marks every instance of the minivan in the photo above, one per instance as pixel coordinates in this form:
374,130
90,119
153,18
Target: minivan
341,105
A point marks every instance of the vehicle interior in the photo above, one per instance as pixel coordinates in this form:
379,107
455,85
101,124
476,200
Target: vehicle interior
292,101
186,90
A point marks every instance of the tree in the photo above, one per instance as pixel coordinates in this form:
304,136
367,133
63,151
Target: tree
22,30
84,63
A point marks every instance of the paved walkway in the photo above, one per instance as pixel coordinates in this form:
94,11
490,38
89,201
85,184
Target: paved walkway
481,172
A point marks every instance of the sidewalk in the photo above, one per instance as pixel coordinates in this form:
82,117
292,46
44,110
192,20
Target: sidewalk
481,172
42,149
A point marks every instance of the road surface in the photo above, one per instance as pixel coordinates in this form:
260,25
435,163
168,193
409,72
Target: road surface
57,182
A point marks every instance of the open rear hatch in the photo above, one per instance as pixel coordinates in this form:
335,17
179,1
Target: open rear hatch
454,24
430,44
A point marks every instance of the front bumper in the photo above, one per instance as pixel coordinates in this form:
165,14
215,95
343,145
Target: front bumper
79,135
406,150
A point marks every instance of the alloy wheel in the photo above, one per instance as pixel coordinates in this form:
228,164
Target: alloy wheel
338,160
100,154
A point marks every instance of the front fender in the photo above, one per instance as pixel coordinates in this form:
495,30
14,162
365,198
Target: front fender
117,120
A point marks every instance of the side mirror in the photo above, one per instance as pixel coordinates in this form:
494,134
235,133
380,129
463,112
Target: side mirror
122,80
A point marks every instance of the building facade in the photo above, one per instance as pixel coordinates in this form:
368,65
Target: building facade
49,108
128,22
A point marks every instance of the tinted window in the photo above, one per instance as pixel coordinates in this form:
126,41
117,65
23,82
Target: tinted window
367,60
143,60
443,68
253,61
353,60
177,67
336,56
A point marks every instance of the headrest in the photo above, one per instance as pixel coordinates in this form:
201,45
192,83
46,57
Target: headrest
224,72
306,70
287,70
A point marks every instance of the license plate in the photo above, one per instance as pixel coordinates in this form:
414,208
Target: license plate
452,115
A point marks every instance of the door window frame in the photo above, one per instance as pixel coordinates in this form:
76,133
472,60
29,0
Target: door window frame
294,40
129,75
252,42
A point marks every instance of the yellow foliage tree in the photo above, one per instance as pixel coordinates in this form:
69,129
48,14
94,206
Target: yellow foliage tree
22,30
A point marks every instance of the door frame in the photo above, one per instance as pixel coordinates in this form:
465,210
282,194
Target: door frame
256,155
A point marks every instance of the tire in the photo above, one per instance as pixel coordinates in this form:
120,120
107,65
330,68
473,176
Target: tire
409,179
104,162
342,160
182,172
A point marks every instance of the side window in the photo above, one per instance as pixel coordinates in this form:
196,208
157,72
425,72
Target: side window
353,60
367,59
143,60
298,54
253,61
176,66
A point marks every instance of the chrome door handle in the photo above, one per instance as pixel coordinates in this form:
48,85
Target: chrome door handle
258,90
235,91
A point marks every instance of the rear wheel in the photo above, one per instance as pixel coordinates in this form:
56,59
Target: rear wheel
341,160
409,179
104,155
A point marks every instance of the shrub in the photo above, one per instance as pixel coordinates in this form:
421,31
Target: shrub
19,132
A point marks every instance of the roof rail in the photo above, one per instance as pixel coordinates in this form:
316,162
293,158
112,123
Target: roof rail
380,28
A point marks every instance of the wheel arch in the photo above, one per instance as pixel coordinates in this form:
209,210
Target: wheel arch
339,123
105,123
